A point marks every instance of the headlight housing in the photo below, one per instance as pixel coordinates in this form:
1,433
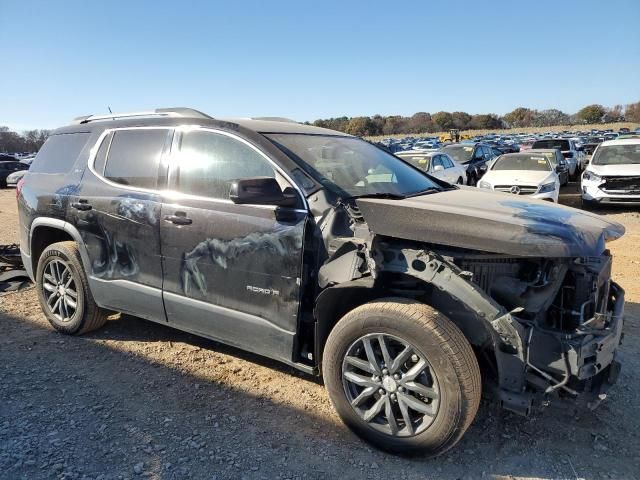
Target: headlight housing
591,177
484,184
547,187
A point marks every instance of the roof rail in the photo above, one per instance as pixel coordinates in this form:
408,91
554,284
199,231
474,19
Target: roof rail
274,119
158,112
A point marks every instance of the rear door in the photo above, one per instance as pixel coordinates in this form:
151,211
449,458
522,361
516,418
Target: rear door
117,212
232,272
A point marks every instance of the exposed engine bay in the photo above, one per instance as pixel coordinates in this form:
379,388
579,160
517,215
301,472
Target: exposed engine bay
543,325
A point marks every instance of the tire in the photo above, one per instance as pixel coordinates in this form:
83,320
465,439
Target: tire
87,315
472,180
452,397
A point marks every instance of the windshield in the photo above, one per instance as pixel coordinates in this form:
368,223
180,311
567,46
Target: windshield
562,145
460,153
617,155
419,161
522,162
351,167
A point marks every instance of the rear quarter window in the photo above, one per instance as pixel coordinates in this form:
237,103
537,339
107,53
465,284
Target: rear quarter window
59,153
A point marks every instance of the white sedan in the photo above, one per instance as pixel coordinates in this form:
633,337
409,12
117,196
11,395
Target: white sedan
437,164
613,175
523,174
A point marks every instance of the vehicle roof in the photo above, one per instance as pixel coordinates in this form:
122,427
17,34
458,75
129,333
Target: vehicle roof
256,125
424,153
541,150
622,141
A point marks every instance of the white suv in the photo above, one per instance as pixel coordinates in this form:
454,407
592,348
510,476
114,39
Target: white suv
613,175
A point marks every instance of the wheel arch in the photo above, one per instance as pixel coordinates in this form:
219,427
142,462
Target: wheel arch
46,231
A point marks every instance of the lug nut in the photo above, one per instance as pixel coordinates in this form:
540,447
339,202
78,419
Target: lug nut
385,371
381,391
401,389
393,396
396,376
414,358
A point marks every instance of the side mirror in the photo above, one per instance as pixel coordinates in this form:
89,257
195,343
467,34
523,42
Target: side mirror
438,168
559,168
261,191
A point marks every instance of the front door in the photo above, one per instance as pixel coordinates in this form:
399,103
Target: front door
232,272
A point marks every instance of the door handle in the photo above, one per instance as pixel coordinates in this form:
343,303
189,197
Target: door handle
180,218
82,205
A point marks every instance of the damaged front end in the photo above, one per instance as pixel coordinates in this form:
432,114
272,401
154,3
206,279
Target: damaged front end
542,326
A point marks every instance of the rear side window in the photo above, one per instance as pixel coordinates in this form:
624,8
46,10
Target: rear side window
59,153
134,157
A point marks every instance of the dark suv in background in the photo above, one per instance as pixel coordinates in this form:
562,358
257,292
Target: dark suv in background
7,167
329,254
473,157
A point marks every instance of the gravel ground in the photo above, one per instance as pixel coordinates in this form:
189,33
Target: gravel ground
137,399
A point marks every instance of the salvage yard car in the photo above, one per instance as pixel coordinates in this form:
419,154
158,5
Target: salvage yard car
613,175
473,157
526,173
410,296
436,164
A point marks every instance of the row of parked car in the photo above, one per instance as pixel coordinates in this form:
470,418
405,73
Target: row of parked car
13,168
539,168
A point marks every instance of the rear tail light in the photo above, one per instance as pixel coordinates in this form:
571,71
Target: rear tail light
19,187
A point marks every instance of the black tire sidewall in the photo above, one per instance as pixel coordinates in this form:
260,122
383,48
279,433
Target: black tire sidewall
443,426
55,252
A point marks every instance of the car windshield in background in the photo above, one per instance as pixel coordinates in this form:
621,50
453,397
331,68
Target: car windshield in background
522,162
559,144
617,155
419,161
351,167
460,153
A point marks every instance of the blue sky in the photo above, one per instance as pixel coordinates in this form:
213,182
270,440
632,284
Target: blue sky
308,60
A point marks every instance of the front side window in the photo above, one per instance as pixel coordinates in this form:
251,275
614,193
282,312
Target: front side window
350,167
134,157
437,161
209,162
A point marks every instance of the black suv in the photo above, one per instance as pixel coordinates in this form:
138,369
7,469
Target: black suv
329,254
473,157
7,167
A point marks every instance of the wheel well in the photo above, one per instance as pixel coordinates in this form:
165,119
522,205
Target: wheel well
335,302
41,238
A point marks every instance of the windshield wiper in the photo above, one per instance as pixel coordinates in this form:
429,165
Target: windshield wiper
425,191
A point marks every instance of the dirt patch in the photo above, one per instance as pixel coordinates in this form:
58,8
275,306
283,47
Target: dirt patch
139,399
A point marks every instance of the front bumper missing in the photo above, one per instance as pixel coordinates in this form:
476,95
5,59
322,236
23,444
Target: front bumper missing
585,363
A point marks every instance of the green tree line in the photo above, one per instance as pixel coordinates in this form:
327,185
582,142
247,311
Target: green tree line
25,142
423,122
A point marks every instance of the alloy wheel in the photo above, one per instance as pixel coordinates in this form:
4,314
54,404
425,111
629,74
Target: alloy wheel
390,385
59,289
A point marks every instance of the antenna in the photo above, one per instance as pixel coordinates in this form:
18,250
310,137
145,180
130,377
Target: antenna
110,111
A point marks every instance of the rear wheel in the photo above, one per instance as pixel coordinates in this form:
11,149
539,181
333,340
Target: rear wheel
402,376
63,291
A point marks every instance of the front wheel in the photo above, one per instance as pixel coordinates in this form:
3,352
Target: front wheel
402,376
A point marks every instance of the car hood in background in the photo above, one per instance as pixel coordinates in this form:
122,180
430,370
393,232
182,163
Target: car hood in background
629,169
491,222
518,177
